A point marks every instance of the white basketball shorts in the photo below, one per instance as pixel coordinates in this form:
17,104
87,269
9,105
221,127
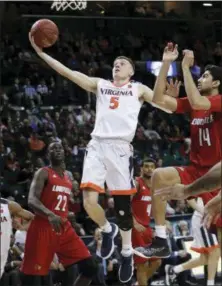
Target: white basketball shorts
204,240
109,161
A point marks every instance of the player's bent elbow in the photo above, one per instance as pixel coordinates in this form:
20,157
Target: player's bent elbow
157,101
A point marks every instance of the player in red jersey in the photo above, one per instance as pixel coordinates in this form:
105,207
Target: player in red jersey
208,182
205,184
142,232
50,232
203,103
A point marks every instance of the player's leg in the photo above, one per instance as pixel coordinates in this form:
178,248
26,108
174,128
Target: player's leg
146,270
152,267
162,177
212,264
72,250
119,179
172,271
93,180
204,243
39,251
141,273
125,224
219,236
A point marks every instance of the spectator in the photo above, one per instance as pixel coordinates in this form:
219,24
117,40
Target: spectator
36,144
31,94
108,268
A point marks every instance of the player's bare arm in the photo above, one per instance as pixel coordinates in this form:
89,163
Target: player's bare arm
17,211
36,188
146,94
82,80
37,185
160,97
207,183
212,210
197,101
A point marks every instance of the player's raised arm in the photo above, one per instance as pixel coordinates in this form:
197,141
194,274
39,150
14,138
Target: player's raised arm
17,211
36,188
147,95
82,80
194,93
160,98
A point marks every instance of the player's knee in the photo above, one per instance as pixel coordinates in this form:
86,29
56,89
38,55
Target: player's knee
215,253
157,176
88,267
123,212
203,258
125,221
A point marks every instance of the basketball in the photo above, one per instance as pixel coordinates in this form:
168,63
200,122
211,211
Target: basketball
45,33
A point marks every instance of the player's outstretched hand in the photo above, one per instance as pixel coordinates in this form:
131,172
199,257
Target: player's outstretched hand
188,59
56,222
139,227
212,211
171,193
170,53
35,47
173,88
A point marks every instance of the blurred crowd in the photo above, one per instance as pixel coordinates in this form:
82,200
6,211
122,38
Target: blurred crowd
37,107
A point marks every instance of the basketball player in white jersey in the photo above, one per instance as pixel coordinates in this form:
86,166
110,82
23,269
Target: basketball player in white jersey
205,243
109,155
8,210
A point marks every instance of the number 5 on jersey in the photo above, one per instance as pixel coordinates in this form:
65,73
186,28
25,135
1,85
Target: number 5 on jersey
114,102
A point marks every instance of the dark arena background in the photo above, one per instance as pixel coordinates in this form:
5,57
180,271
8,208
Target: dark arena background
38,106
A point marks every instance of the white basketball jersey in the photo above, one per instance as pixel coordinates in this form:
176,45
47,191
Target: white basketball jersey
5,233
117,111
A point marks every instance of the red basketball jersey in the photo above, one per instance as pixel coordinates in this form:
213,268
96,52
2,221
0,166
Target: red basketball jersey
205,131
56,193
141,203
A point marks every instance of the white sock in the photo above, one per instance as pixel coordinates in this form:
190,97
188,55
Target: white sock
161,231
106,227
177,269
126,242
210,282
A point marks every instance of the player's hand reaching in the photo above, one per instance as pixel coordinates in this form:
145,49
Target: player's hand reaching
56,222
170,53
212,211
173,88
188,59
35,47
176,192
139,227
